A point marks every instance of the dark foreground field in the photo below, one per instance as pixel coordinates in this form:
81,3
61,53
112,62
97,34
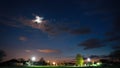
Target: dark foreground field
113,66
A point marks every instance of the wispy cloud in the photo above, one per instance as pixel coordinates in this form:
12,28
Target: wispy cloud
53,29
46,26
48,51
10,21
23,38
27,51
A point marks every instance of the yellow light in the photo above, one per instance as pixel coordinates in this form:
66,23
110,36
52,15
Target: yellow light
48,61
53,63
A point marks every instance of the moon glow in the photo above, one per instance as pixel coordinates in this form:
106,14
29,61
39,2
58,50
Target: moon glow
38,19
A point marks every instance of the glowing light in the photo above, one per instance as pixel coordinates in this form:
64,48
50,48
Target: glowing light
33,58
48,61
88,59
38,19
98,63
54,63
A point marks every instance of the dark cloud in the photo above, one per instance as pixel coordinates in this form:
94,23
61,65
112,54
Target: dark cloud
112,39
116,24
97,43
113,36
94,56
116,47
91,43
80,31
110,34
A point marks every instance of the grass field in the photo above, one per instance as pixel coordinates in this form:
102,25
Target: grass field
58,67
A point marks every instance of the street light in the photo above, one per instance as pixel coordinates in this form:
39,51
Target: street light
54,63
48,62
88,59
33,58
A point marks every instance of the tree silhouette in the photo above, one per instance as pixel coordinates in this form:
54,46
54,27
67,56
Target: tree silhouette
21,60
2,55
79,60
115,54
42,61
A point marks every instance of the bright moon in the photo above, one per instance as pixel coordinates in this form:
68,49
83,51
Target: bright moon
38,19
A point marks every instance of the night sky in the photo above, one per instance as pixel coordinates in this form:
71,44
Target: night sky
69,27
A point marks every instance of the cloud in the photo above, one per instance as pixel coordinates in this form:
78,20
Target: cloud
109,33
28,51
97,43
116,47
91,43
11,24
112,39
44,26
54,29
94,56
116,24
23,38
113,36
10,21
48,51
80,31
